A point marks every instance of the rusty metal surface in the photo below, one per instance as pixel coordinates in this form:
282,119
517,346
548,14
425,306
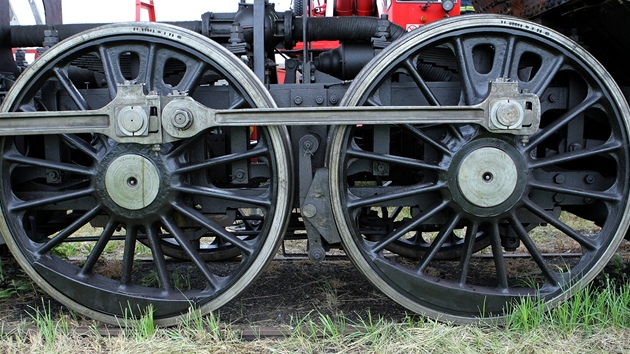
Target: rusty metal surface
520,8
600,26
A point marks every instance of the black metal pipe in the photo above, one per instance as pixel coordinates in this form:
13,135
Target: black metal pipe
33,36
351,28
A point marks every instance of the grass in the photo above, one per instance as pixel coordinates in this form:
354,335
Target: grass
14,285
49,328
596,319
588,308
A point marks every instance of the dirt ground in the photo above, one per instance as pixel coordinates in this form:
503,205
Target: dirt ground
287,291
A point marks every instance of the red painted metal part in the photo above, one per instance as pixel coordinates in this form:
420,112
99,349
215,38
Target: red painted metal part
344,7
143,5
365,7
413,14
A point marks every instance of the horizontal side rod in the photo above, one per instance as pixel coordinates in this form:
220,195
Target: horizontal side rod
101,121
350,115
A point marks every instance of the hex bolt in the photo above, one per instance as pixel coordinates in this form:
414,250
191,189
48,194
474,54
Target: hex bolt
575,147
297,100
558,198
319,100
559,178
333,99
182,119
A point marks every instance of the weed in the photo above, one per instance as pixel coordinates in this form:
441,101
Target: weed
333,328
588,308
14,284
179,280
526,315
48,328
141,325
14,287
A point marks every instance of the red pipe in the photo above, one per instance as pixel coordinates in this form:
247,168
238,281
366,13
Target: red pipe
344,7
365,7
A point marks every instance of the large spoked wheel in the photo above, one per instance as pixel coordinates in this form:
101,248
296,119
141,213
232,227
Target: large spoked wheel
77,208
562,190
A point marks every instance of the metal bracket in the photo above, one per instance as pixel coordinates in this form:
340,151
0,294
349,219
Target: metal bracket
317,208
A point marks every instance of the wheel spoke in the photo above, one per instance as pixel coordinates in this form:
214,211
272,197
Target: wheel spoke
81,145
50,198
129,251
176,232
159,260
444,234
249,196
98,249
552,160
193,74
239,102
407,227
422,85
550,275
422,136
390,195
225,159
214,227
77,97
469,243
541,213
574,112
112,71
68,231
603,196
497,255
14,156
392,159
550,67
507,49
466,70
147,73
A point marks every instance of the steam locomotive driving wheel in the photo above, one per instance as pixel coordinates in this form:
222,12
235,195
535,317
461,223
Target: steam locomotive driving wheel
78,208
532,199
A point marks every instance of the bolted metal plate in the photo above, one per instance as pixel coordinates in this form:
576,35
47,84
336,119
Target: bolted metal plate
487,177
132,181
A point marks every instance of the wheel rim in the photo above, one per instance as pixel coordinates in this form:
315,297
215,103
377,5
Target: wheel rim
451,178
192,191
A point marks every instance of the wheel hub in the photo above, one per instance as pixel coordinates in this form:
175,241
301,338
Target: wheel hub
487,177
132,181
